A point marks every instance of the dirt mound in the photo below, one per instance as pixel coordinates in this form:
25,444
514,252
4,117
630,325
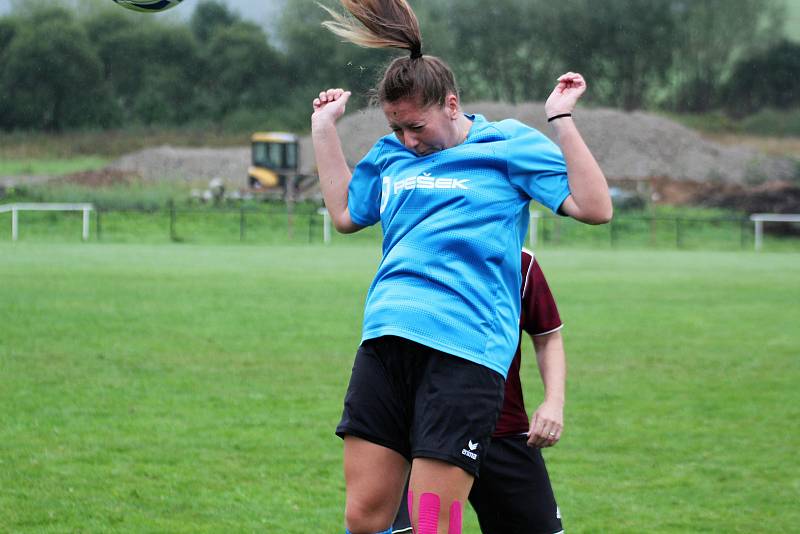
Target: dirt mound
196,166
775,196
633,145
629,146
101,178
770,197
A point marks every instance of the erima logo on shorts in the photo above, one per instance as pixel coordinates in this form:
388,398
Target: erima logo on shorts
469,453
423,181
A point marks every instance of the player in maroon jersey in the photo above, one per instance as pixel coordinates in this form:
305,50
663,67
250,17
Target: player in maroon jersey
512,494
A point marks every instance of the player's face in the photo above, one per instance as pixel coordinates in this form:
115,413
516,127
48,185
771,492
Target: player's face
424,130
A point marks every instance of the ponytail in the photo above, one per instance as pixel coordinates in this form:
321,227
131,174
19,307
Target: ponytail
393,24
384,24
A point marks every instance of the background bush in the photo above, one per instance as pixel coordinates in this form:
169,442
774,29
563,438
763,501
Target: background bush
100,66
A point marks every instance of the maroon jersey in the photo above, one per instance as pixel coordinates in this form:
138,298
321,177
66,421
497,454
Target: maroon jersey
539,316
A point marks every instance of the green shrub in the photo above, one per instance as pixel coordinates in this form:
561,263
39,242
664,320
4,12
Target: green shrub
773,122
711,122
136,196
767,122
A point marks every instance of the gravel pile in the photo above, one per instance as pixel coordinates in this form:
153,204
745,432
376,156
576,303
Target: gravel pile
629,146
196,166
634,145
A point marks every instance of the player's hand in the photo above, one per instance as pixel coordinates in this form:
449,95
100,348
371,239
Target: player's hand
329,105
565,95
547,424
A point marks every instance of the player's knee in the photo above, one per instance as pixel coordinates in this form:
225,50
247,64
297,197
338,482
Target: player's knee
431,519
365,517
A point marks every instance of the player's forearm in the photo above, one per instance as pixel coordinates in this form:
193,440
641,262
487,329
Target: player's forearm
552,363
334,174
587,183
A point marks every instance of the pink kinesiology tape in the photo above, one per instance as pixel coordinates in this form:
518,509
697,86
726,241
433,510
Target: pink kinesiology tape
410,505
428,522
455,518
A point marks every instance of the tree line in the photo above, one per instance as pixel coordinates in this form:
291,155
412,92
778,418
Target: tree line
64,68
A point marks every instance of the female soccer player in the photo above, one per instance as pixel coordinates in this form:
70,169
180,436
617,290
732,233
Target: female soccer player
441,319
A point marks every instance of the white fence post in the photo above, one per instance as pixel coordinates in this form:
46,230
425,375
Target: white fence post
533,228
85,224
326,225
14,224
759,234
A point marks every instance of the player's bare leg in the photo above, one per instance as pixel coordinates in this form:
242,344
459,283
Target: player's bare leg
375,477
438,493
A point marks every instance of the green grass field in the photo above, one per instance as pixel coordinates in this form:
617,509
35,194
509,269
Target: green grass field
190,388
50,166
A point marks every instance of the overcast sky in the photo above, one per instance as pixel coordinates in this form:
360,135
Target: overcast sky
260,11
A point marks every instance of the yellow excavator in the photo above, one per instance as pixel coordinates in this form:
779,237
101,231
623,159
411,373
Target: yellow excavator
274,160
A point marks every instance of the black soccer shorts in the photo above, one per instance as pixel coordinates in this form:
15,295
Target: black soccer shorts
513,494
422,402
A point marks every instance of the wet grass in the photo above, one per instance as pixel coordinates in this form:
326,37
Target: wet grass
190,388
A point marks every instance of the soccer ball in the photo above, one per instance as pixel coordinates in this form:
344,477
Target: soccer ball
145,6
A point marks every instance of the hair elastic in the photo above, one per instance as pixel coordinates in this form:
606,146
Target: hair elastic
416,51
551,119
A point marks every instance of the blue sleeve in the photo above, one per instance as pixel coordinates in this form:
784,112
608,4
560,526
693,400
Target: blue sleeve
364,193
536,165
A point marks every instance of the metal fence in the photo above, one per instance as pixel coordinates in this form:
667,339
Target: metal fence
653,231
305,223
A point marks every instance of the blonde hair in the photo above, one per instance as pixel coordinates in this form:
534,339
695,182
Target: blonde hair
384,24
393,24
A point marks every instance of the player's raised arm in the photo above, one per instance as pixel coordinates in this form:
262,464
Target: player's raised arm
589,200
334,174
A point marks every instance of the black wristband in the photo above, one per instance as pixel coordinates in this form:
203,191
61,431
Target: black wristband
551,119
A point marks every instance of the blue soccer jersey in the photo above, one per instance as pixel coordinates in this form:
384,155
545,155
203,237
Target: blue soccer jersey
454,223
